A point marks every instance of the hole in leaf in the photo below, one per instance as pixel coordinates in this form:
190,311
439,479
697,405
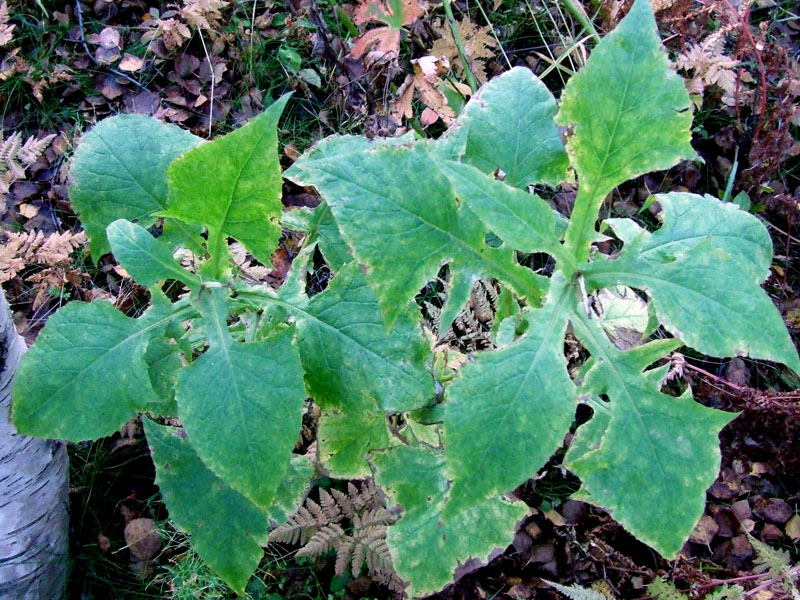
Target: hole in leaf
319,274
538,262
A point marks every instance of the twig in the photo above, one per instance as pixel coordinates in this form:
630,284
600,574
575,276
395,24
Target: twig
766,584
733,386
213,81
118,73
252,33
462,52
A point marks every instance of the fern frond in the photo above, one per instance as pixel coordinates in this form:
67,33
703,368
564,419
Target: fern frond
327,538
16,156
344,555
576,592
344,503
664,590
330,507
726,592
299,529
5,29
777,563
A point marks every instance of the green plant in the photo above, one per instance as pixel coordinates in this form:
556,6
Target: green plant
446,449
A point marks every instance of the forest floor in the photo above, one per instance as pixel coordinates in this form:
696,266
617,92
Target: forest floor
210,65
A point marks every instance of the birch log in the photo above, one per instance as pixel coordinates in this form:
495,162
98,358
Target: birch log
33,494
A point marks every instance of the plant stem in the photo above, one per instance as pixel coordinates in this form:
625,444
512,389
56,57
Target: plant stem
462,52
580,15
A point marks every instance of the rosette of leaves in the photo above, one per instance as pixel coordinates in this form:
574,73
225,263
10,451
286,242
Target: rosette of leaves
234,361
406,208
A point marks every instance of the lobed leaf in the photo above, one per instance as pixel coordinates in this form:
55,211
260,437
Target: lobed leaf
508,411
702,269
658,453
120,172
87,374
630,115
510,127
426,546
367,190
147,259
351,362
242,403
227,530
232,186
526,221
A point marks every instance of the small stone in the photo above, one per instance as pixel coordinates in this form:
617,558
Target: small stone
704,531
770,533
533,530
542,553
734,552
554,517
573,511
522,542
748,525
551,568
728,523
742,509
773,509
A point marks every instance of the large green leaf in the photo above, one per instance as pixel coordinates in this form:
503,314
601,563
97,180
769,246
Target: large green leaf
630,113
510,127
350,360
355,370
120,172
508,411
658,453
227,530
426,546
702,269
147,259
527,222
87,375
232,186
242,404
377,206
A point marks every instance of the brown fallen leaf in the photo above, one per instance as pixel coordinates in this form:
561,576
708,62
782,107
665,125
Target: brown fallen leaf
131,63
425,81
142,538
394,14
479,46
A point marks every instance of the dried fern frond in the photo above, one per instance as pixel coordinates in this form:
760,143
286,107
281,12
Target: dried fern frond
353,524
710,65
16,156
204,14
6,35
329,537
21,250
297,530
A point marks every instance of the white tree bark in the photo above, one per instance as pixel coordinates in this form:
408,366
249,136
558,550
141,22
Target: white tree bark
33,495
